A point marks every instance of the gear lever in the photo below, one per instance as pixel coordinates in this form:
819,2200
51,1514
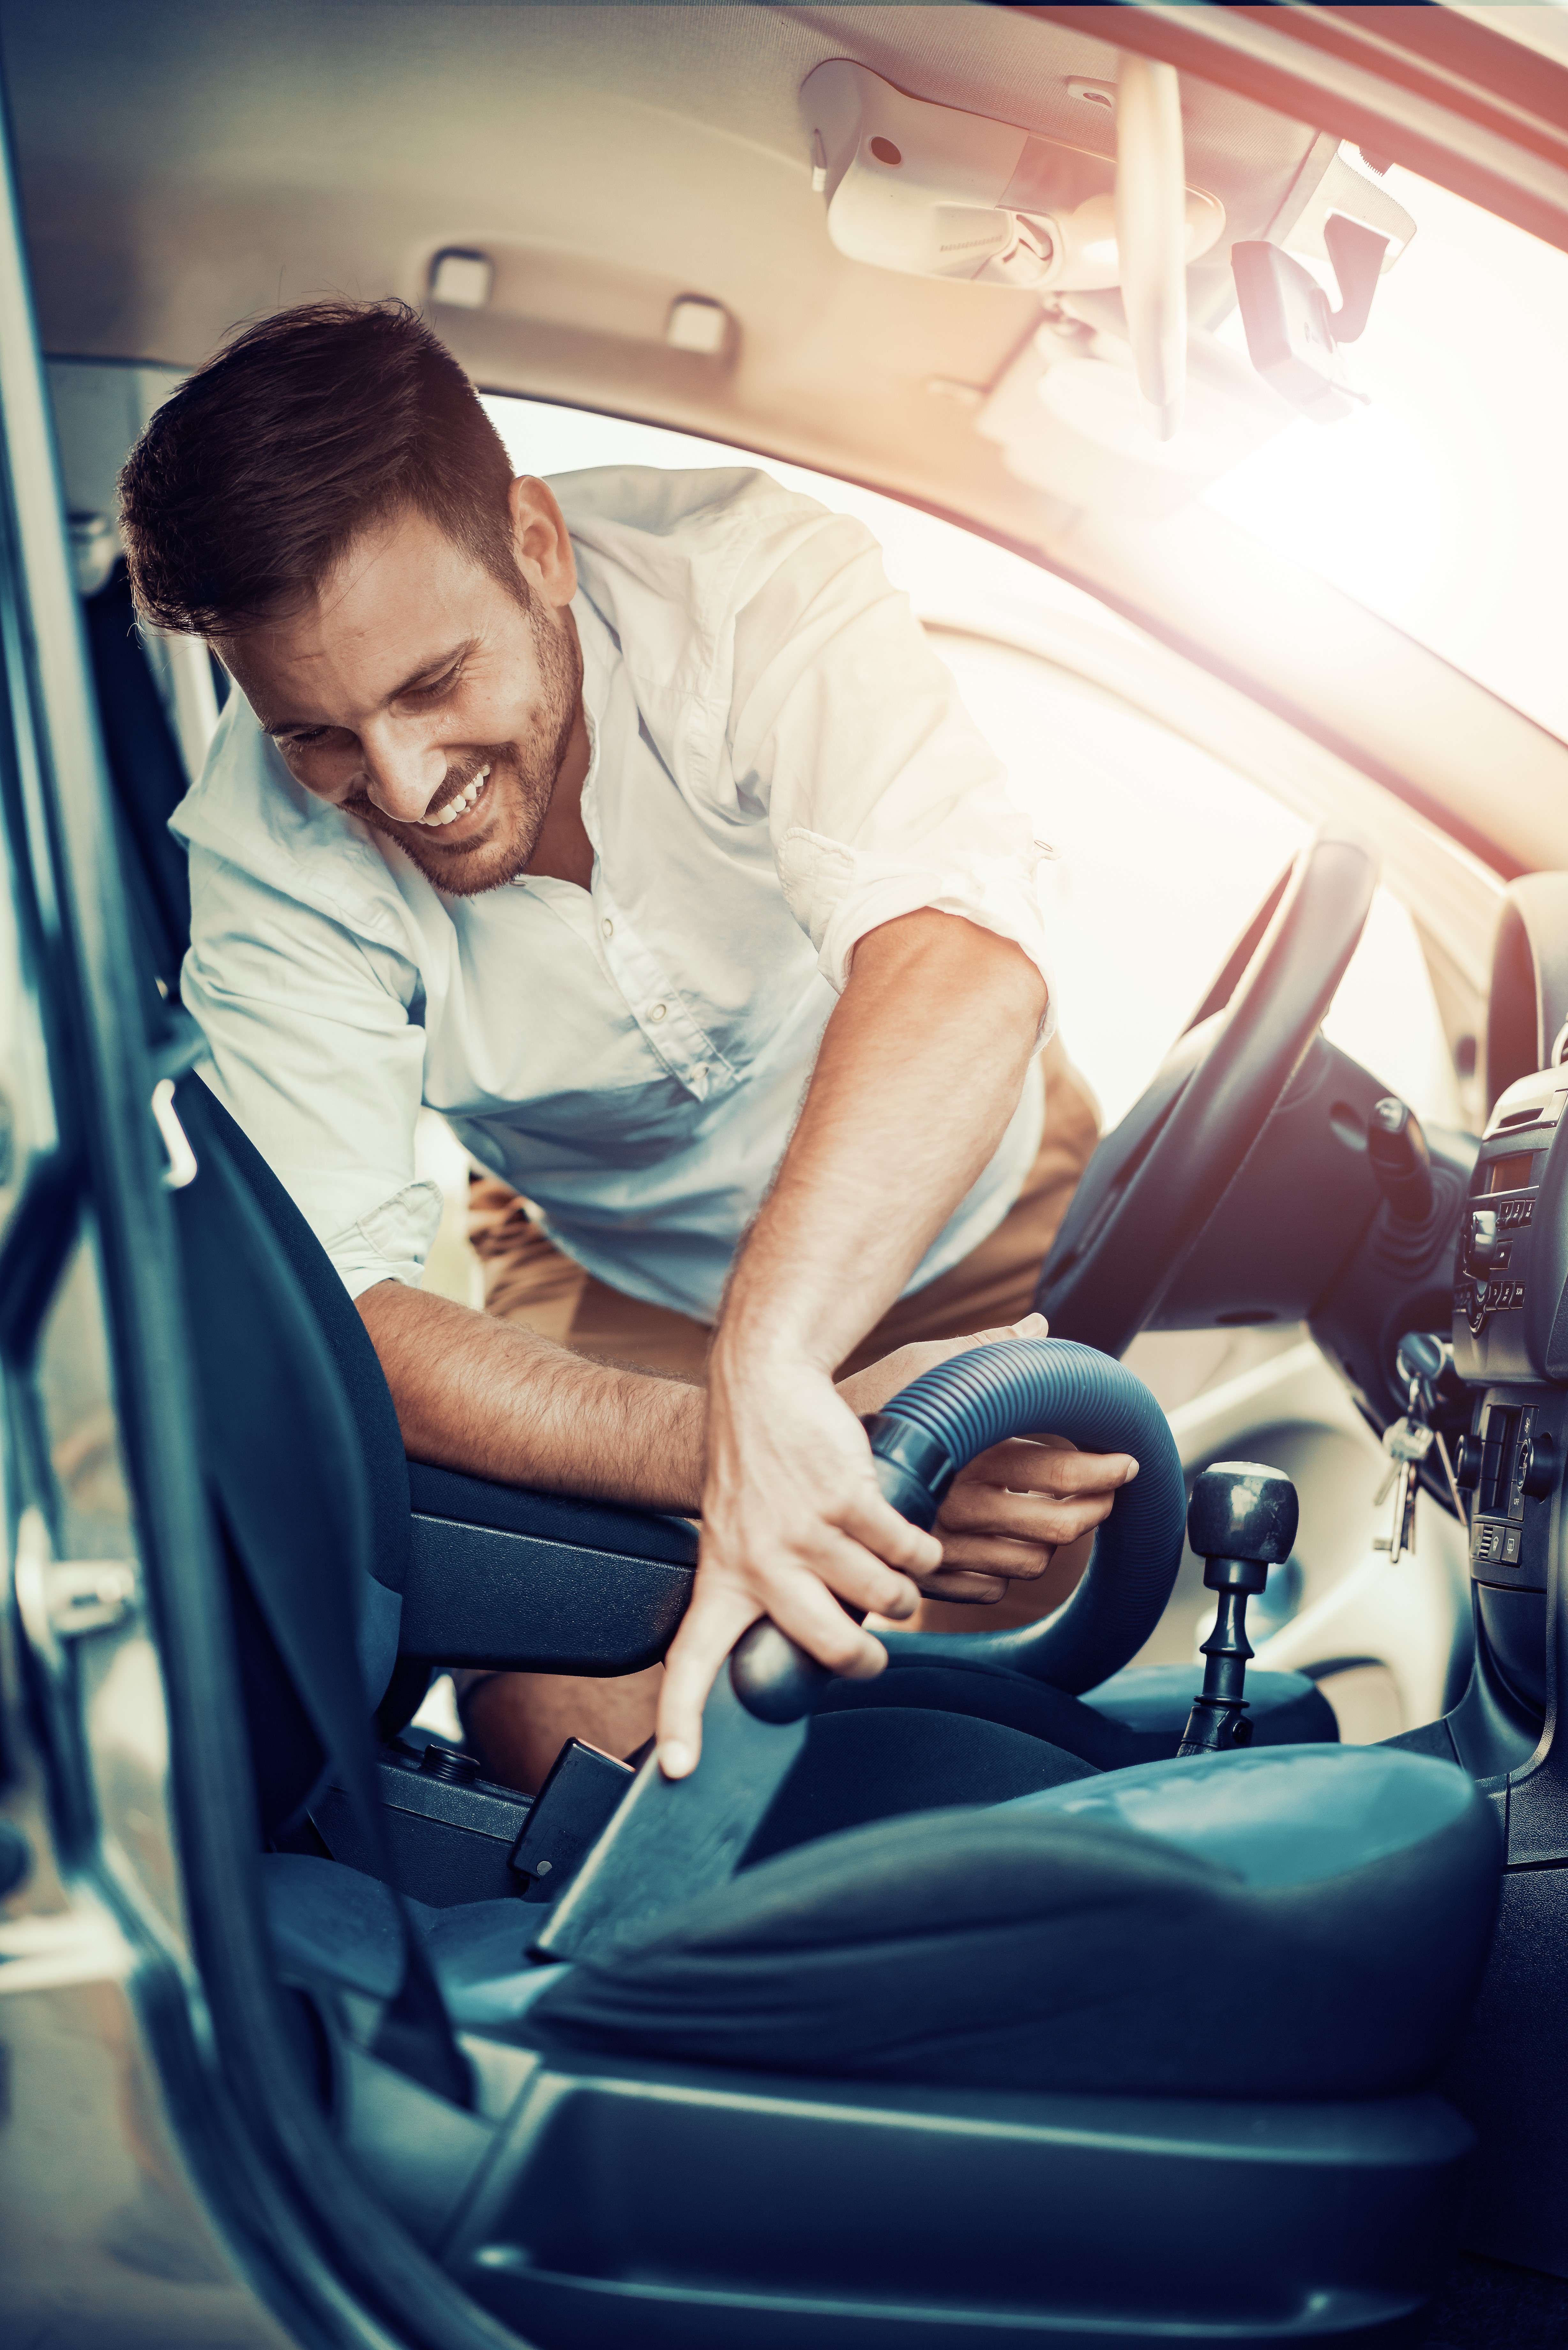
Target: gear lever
1241,1519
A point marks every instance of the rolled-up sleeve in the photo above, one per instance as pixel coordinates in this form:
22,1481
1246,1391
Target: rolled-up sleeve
883,797
314,1054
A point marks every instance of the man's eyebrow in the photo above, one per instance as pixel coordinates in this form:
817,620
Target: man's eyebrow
434,668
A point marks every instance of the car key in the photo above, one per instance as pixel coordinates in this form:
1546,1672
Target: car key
1424,1356
1411,1438
1408,1441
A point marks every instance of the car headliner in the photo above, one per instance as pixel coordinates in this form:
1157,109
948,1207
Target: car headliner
185,167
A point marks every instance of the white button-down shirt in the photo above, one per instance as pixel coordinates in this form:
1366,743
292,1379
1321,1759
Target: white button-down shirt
779,763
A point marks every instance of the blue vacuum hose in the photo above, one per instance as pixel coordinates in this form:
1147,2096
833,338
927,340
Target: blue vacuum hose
931,1430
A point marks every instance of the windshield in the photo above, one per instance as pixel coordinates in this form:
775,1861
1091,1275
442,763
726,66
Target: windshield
1442,505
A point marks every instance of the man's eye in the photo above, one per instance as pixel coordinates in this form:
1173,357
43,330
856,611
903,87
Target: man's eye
299,737
439,686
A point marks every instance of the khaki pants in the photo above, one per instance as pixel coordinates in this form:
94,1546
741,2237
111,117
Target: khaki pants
520,1720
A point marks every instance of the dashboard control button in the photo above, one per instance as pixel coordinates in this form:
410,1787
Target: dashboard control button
1481,1243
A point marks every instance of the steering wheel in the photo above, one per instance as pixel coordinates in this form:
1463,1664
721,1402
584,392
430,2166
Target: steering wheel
1157,1179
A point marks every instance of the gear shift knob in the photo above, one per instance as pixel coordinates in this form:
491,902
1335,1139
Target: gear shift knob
1240,1510
1241,1519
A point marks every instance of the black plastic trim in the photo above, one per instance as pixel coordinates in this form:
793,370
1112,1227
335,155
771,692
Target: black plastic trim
478,1595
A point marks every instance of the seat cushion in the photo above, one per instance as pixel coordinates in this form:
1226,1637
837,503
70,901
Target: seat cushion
1308,1922
861,1764
1137,1716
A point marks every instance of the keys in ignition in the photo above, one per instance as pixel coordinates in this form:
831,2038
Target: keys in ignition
1407,1442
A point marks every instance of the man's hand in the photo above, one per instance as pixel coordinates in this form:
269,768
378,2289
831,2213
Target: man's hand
793,1515
790,1515
1012,1508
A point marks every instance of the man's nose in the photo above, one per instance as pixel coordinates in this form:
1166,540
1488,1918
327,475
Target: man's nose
401,776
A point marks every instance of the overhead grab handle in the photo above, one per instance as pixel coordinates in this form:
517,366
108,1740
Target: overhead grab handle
1357,253
1151,234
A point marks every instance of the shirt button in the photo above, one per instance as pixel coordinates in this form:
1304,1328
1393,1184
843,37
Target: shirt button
608,927
657,1011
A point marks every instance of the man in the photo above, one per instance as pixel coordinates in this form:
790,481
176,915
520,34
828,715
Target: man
608,832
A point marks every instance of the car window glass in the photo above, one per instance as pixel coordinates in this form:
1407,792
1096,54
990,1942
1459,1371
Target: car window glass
1161,853
935,562
1442,504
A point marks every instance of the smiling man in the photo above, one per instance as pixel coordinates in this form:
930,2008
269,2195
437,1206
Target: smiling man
611,825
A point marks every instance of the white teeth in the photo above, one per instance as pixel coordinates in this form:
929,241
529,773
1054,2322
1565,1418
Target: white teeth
459,807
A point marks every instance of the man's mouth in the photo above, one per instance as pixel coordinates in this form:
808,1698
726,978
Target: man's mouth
458,807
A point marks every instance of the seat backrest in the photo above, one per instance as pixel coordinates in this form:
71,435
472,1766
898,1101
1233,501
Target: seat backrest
337,1319
301,1500
293,1508
363,1388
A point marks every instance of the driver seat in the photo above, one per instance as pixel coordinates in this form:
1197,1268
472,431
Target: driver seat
1154,2042
1301,1924
1145,2055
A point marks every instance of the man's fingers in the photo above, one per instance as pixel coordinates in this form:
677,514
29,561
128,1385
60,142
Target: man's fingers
711,1626
850,1573
879,1528
1086,1473
1064,1522
801,1606
1025,1466
1031,1325
1019,1517
807,1611
859,1577
861,1581
870,1389
985,1555
973,1590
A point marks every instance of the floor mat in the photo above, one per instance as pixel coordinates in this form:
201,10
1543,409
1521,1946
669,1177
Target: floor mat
1487,2305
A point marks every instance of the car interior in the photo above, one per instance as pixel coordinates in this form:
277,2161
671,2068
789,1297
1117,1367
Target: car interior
1230,1999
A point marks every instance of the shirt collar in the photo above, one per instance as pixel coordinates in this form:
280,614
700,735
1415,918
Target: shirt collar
600,654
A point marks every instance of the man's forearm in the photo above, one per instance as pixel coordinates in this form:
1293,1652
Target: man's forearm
920,1069
498,1401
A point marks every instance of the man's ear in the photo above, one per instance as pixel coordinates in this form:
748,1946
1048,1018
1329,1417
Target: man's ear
541,541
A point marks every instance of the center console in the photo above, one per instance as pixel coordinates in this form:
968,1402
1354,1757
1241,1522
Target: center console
1510,1347
1510,1330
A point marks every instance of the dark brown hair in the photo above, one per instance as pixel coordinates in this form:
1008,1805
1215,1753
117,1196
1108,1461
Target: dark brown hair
304,429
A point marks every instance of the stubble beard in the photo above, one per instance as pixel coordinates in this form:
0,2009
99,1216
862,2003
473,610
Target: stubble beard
523,777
